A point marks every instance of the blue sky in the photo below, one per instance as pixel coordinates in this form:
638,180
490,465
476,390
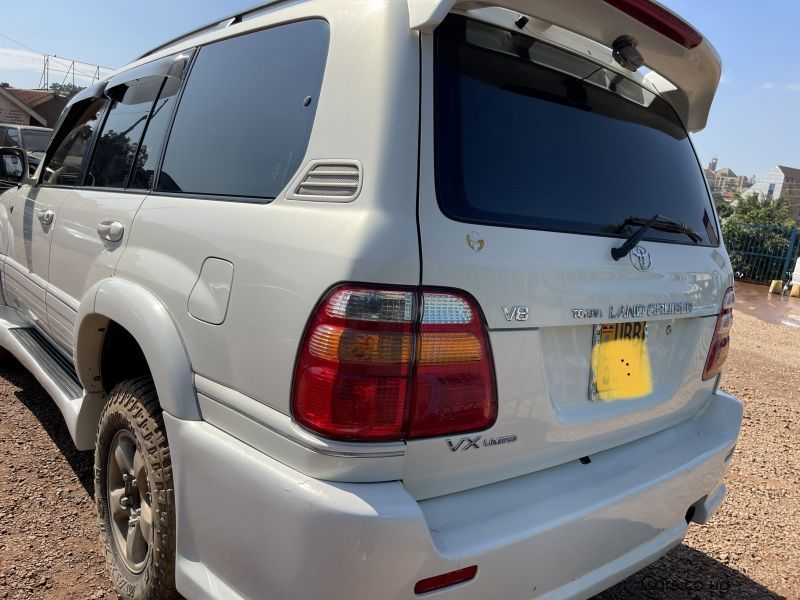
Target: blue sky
754,122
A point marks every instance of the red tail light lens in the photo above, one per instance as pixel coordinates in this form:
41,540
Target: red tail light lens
661,20
380,364
718,352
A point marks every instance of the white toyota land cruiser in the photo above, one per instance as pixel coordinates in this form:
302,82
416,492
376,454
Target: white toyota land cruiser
379,298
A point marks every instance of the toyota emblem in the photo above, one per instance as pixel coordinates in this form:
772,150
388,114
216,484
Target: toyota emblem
640,258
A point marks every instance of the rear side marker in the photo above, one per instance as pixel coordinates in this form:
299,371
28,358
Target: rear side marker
445,580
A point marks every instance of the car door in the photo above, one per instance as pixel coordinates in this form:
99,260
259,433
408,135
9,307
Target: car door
34,210
91,230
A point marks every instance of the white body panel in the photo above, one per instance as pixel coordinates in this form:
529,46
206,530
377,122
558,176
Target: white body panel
27,262
566,532
217,295
80,257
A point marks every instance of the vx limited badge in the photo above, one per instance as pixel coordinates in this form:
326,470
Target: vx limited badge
467,443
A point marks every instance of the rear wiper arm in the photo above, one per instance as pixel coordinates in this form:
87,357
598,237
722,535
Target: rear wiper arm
656,222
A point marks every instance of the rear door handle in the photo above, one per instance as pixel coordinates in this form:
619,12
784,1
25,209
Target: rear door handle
46,216
111,231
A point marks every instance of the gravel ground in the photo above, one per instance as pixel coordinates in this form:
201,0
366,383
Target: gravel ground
751,546
751,549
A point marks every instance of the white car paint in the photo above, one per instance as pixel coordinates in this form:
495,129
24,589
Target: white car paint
362,520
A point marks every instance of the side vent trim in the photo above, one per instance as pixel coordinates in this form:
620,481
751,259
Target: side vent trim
325,180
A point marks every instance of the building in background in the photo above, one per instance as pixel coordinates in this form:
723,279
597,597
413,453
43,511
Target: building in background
30,107
724,183
779,182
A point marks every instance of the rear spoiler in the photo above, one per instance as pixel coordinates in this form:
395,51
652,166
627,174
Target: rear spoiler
686,67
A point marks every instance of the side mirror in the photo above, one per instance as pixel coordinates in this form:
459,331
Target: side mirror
13,165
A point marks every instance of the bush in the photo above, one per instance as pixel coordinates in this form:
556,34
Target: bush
757,235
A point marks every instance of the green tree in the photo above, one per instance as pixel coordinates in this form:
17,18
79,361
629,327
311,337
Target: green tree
724,209
5,84
772,211
65,89
757,235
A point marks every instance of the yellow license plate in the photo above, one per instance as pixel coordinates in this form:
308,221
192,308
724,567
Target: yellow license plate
620,362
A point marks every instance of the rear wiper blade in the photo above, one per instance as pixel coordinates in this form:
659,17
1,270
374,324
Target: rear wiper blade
665,224
656,222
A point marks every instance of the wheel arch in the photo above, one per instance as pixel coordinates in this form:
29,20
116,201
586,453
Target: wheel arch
119,302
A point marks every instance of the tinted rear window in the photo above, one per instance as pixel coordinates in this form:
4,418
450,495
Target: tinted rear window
531,136
245,116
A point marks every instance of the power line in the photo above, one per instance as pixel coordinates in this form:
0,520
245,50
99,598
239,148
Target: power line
10,39
69,65
20,44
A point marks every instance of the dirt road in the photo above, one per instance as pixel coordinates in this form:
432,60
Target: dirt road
751,548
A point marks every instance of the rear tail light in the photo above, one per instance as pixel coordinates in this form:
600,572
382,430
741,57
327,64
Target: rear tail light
389,363
661,20
718,351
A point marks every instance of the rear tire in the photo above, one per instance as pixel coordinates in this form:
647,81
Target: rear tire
133,489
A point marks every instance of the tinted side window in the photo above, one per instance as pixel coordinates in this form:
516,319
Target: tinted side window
246,113
65,164
150,149
119,139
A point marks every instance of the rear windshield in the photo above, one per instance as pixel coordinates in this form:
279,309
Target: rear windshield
531,136
34,140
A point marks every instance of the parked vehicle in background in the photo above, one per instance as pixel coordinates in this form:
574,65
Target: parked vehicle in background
320,287
30,138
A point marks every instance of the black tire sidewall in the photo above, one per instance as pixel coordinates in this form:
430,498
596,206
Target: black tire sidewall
130,407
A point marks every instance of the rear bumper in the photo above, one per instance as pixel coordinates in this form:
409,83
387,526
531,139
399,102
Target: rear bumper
250,527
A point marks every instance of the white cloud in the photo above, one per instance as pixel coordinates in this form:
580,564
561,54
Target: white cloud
768,85
12,59
793,87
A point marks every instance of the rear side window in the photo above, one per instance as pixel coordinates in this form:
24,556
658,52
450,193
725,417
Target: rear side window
122,131
245,116
530,136
150,149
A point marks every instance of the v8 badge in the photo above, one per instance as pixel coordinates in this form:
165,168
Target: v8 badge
516,313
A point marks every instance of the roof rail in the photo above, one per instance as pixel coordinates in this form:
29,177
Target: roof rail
219,24
686,70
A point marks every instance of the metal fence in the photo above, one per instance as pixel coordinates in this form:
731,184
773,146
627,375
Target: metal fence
761,253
